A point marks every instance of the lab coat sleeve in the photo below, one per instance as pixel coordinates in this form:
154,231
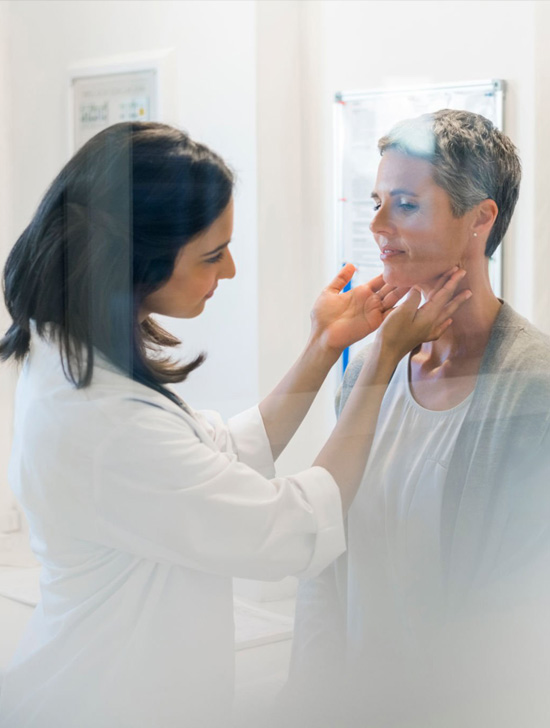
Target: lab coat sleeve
162,492
244,436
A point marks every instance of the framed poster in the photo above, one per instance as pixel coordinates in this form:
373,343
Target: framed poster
100,101
361,118
126,88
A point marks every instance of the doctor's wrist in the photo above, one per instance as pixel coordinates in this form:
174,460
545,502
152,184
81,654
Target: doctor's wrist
324,355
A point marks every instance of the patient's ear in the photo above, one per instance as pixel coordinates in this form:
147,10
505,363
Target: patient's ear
485,214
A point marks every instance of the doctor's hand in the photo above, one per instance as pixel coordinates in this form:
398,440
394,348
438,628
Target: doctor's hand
410,324
340,318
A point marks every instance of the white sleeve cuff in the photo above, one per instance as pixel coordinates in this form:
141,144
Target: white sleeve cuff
321,491
251,442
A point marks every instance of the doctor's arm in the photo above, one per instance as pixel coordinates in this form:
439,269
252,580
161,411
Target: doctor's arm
339,319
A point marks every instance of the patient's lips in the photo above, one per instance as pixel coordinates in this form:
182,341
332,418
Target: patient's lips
389,251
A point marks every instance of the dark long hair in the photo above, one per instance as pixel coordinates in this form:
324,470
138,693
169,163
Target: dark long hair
104,237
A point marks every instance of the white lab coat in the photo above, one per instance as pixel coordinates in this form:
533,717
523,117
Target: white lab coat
140,514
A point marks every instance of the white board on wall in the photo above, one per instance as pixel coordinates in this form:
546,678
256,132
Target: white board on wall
361,118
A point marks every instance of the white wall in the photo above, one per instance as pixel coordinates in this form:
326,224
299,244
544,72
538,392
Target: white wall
13,543
291,234
540,203
5,178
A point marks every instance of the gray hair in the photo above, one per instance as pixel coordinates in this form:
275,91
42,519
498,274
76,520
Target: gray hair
473,161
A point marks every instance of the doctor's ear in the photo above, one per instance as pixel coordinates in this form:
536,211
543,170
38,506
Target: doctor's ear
485,214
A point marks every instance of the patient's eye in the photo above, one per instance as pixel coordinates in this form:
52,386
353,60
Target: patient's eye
407,205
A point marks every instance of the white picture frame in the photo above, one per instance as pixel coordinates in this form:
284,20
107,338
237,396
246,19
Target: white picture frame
102,92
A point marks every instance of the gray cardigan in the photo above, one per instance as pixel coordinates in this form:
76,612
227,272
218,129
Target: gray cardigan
495,523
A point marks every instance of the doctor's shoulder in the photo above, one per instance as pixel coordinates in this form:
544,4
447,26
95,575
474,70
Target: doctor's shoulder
122,400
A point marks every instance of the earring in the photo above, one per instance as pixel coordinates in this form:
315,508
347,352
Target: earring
475,235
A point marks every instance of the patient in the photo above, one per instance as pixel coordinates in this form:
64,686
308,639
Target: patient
438,613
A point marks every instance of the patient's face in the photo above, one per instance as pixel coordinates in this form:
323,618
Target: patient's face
418,236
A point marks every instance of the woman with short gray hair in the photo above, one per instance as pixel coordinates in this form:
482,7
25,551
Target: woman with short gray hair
437,613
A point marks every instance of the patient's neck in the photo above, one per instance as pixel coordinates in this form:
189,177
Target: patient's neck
471,328
444,372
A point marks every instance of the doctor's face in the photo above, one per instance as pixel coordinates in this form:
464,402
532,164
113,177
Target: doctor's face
418,235
199,266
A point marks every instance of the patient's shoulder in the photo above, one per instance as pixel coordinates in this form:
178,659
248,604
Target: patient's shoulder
527,348
514,378
354,367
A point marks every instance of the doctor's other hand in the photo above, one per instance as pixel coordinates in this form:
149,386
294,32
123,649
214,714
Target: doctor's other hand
410,324
340,318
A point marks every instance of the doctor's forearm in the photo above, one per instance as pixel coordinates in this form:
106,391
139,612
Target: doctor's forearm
346,452
284,409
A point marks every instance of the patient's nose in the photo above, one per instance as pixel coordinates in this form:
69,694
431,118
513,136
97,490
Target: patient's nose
381,222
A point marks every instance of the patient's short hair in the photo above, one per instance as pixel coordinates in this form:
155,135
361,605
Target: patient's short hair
472,161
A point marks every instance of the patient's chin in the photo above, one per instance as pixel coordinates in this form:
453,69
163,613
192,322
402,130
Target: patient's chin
393,276
398,278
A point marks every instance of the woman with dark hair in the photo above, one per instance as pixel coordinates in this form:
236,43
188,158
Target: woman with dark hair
140,509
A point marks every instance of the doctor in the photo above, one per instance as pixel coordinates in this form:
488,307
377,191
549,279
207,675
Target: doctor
141,510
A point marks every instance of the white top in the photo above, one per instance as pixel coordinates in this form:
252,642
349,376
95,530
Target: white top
394,523
140,513
379,598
